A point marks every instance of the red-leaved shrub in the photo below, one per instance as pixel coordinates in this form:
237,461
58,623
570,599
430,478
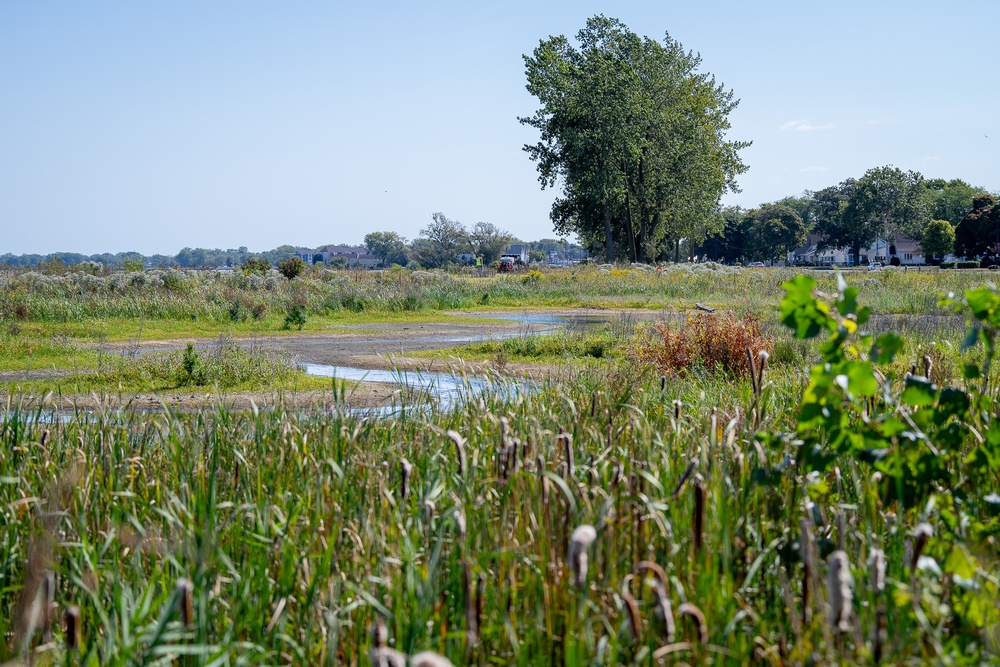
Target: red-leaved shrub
710,340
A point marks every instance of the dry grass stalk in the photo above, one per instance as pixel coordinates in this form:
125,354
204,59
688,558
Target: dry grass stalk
579,544
471,617
880,635
428,508
839,591
698,618
684,478
808,569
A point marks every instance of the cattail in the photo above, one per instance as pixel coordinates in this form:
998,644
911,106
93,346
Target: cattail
45,437
677,410
752,360
579,543
684,478
380,654
405,471
698,520
660,587
48,602
876,570
460,448
73,628
566,441
460,523
922,533
236,475
663,383
429,659
471,621
841,531
480,594
698,618
632,616
880,634
184,590
428,508
839,591
762,358
928,366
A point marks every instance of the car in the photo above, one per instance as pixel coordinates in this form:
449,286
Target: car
874,266
756,265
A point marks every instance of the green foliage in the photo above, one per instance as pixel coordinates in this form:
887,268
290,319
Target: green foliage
774,231
938,238
133,265
388,247
255,266
191,371
296,317
979,232
635,134
292,267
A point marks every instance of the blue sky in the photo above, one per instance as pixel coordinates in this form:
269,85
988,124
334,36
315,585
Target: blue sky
151,126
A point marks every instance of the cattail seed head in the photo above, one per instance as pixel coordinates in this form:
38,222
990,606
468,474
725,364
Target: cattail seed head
839,592
698,519
876,570
185,601
579,544
460,450
380,654
677,410
460,523
566,443
73,628
698,618
429,659
928,366
632,617
405,471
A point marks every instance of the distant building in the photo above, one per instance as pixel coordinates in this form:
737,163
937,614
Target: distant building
518,250
354,255
810,253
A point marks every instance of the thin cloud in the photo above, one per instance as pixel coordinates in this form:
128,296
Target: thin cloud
880,121
813,167
803,126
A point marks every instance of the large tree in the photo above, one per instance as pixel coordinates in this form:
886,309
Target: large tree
979,232
388,247
950,200
887,201
443,241
938,239
489,241
635,135
775,231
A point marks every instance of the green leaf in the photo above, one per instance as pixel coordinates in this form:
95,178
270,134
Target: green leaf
885,349
919,391
970,372
860,379
961,562
971,339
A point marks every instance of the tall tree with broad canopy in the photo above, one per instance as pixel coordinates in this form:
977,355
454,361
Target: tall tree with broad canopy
887,201
635,135
938,239
489,241
388,247
950,200
443,241
979,232
775,231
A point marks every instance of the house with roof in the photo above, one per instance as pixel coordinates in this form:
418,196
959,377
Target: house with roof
902,248
355,256
811,254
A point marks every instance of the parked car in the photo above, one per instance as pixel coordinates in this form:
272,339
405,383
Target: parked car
875,266
756,265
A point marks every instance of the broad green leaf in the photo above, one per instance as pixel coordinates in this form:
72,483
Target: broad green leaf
885,349
961,562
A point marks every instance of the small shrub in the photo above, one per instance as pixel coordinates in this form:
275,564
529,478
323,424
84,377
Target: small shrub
533,277
132,265
258,311
292,267
296,317
191,370
237,312
967,265
255,266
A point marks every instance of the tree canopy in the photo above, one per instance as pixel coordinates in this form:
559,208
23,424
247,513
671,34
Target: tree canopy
979,232
775,230
938,239
635,135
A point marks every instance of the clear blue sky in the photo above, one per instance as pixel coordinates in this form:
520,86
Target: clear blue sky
155,125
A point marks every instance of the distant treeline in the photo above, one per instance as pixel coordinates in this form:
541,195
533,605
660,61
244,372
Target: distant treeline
215,257
186,258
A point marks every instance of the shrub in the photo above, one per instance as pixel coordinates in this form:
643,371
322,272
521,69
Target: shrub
255,266
532,277
967,265
191,371
711,340
296,317
292,267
